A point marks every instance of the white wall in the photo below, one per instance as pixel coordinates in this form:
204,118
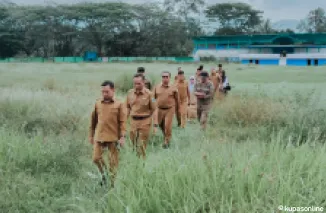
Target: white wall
259,56
220,53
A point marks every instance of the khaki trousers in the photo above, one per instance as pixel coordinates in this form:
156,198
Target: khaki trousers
98,149
165,119
139,134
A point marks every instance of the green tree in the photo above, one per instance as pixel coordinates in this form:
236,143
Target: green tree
234,18
315,22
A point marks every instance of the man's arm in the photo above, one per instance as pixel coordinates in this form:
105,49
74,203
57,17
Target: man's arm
122,120
92,125
188,93
127,105
152,103
177,100
211,91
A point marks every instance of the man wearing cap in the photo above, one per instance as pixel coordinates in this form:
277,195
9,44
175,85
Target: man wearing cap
141,70
204,92
167,102
184,97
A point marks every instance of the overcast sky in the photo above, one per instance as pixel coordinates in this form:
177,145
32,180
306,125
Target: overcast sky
274,9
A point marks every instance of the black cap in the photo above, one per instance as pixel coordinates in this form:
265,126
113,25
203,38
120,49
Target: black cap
204,74
220,65
181,72
141,70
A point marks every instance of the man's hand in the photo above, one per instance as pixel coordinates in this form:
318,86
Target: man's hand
91,140
200,94
155,129
122,141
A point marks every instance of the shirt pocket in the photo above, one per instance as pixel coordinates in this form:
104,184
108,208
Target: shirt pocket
144,101
113,111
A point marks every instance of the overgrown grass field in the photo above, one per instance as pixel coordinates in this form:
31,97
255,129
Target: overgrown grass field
264,146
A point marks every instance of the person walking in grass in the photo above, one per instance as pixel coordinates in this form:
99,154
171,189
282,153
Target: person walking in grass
192,107
184,98
204,92
140,107
167,102
107,130
148,84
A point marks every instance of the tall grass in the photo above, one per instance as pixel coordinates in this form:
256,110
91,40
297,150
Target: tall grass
46,164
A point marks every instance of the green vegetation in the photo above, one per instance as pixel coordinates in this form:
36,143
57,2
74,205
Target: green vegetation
264,146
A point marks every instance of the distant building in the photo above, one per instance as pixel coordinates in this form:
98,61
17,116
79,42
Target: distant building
272,49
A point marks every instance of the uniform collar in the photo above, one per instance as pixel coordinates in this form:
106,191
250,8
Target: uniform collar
165,86
107,101
140,92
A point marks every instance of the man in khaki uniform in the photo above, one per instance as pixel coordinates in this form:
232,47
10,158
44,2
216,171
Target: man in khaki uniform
184,98
140,107
167,102
192,107
141,70
107,128
204,92
199,70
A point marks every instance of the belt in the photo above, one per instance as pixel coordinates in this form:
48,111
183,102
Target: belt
164,108
137,118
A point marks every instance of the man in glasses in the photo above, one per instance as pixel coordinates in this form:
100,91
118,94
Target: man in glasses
167,102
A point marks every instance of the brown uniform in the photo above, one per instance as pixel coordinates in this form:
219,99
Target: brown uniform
167,101
148,84
140,106
204,104
183,90
108,125
192,108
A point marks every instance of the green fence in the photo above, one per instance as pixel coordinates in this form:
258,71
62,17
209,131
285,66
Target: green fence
103,59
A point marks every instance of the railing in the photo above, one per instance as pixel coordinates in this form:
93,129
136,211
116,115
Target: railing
102,59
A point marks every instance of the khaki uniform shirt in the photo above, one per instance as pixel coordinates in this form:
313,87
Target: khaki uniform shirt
182,90
108,121
208,89
166,96
140,104
148,84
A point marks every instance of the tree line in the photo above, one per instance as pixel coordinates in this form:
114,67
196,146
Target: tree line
121,29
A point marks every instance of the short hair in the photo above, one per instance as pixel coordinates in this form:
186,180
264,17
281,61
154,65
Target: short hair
167,72
139,75
108,83
201,67
220,65
140,70
181,72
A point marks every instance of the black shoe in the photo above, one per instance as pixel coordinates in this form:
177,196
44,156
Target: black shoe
166,146
103,182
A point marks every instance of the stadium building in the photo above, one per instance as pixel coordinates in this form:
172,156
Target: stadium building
272,49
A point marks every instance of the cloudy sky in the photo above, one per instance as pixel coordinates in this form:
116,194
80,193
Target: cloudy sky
274,9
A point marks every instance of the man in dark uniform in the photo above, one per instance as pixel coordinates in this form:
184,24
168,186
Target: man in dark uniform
141,70
204,92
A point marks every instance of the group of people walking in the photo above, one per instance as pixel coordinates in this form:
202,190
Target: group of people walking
149,108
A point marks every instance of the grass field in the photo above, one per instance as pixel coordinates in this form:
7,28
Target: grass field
264,146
